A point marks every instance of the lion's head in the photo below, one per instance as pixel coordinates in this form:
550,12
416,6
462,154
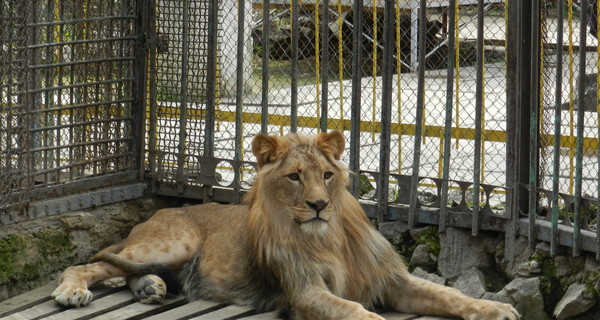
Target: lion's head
299,178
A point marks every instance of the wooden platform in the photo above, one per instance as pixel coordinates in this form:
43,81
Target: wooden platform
117,303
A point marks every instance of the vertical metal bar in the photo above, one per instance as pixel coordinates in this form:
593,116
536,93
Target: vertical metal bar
354,161
239,98
518,100
153,123
557,126
534,116
580,124
265,66
142,28
448,120
211,87
183,91
479,100
294,83
324,64
211,73
412,211
386,111
596,9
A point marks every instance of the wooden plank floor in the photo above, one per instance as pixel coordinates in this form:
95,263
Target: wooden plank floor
116,303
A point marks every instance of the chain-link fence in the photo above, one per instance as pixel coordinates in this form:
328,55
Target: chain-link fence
66,108
300,64
568,133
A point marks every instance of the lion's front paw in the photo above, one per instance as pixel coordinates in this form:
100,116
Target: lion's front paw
491,310
150,289
366,316
72,296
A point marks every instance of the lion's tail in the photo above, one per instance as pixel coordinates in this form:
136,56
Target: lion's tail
166,273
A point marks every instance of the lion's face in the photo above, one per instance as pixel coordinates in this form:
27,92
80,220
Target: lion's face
303,175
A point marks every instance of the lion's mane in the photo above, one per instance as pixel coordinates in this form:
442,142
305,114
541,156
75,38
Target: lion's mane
354,260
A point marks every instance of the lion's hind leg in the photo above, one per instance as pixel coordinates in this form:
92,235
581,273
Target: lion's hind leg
148,288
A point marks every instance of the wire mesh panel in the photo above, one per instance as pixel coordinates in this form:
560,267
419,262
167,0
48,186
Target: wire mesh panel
288,66
68,75
568,159
14,123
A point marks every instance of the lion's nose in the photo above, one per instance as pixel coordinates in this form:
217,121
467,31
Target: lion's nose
317,205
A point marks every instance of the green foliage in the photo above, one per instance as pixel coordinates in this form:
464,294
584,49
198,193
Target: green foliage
431,238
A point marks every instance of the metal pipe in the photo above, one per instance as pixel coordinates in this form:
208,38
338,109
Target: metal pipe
557,126
534,120
414,185
479,106
324,65
265,67
448,119
580,125
295,57
386,112
354,161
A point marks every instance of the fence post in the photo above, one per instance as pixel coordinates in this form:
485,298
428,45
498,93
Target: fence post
138,111
518,105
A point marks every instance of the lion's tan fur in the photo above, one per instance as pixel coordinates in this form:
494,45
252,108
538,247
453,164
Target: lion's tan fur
301,240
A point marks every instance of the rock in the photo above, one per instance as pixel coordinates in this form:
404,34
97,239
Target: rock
418,272
522,254
78,220
566,266
460,251
526,296
577,300
420,256
493,296
543,249
392,229
592,314
416,233
527,269
471,283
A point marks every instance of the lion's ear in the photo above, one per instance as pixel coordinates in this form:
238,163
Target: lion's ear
332,143
268,148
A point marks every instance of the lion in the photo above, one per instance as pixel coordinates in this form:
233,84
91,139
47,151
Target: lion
300,243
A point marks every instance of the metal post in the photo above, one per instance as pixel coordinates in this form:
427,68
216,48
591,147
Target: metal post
386,112
265,66
324,64
557,126
139,105
448,119
239,95
354,163
414,186
580,124
479,99
534,120
294,82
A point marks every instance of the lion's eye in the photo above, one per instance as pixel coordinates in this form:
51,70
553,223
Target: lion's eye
294,176
328,175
